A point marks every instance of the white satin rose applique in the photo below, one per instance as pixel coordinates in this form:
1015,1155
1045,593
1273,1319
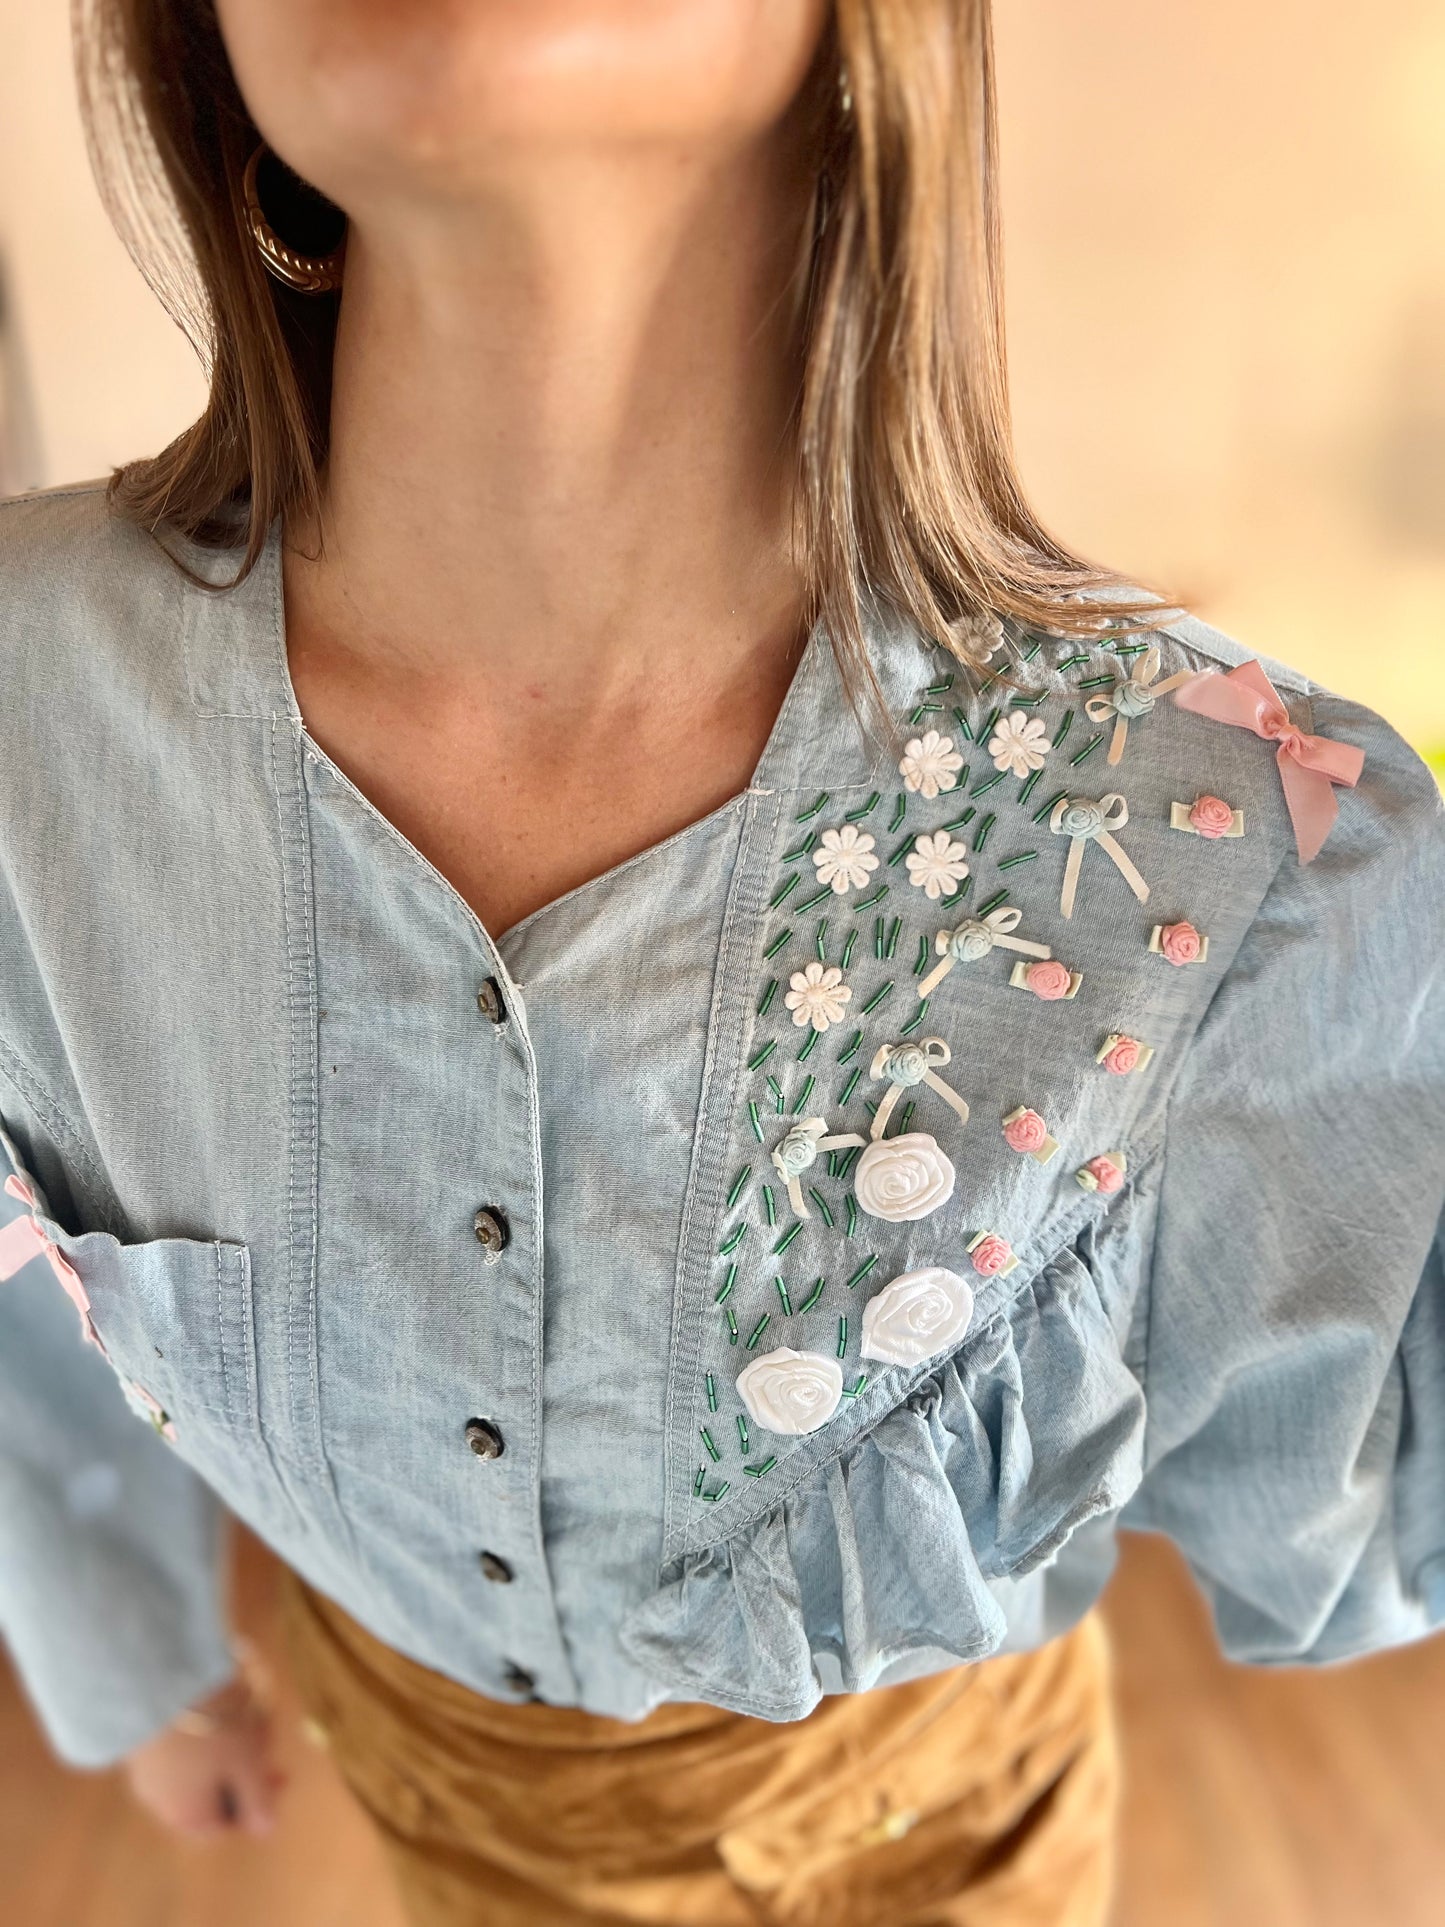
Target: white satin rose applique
791,1392
917,1315
816,995
845,859
1019,745
930,764
937,865
903,1178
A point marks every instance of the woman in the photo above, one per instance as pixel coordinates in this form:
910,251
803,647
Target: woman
640,1019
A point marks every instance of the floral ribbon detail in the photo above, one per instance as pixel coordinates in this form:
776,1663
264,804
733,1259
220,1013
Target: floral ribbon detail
1308,765
1132,697
972,940
795,1151
22,1239
905,1065
1084,821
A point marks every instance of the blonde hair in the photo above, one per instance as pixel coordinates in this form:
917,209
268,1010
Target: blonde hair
906,489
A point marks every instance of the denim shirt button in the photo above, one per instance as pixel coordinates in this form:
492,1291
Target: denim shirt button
490,1002
484,1438
495,1568
492,1231
520,1680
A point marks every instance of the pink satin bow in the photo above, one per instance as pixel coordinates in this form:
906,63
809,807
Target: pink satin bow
22,1239
1308,765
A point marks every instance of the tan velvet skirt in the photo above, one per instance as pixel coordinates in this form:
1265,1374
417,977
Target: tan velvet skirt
983,1795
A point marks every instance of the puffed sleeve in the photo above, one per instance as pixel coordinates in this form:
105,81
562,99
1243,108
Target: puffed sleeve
110,1546
1296,1322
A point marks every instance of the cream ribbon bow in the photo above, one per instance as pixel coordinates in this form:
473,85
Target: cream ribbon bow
972,939
797,1149
1085,821
905,1065
1134,695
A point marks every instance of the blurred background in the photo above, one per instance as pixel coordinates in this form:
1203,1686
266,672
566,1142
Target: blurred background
1227,316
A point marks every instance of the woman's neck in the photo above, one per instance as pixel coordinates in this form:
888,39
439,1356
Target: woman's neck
561,424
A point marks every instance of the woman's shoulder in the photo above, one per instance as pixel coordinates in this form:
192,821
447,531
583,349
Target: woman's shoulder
89,602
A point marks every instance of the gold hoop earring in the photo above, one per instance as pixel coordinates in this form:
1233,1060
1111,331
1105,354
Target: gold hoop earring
306,273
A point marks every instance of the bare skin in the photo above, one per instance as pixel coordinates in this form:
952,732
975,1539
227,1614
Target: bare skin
550,611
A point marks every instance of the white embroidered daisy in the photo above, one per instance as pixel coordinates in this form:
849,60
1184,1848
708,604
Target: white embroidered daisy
937,865
845,858
1019,745
980,636
930,763
817,995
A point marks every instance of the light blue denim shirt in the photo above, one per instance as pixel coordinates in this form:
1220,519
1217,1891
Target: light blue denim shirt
699,1407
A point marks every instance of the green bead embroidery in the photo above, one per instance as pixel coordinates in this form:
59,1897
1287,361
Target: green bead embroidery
758,1330
1072,662
989,782
716,1493
842,1337
762,1054
804,1094
1065,725
697,1483
940,688
776,945
770,1209
711,1384
850,1049
863,809
963,728
767,998
900,810
867,903
734,1238
812,809
821,945
981,834
856,1387
787,1238
876,999
863,1270
1088,749
907,1030
732,1325
824,1209
992,723
1047,809
852,1084
922,963
725,1289
818,896
959,821
805,848
810,1044
892,944
901,851
1026,788
757,1471
847,1161
1024,856
783,1294
754,1119
784,890
710,1443
807,1305
776,1091
848,948
852,1205
1095,682
739,1185
742,1432
998,897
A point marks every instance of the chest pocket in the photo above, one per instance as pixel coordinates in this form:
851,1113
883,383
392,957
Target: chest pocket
172,1317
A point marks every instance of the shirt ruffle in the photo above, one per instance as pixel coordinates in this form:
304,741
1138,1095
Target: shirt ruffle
1031,1428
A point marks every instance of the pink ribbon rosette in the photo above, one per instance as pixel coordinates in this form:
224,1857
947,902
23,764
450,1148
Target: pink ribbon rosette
1309,766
